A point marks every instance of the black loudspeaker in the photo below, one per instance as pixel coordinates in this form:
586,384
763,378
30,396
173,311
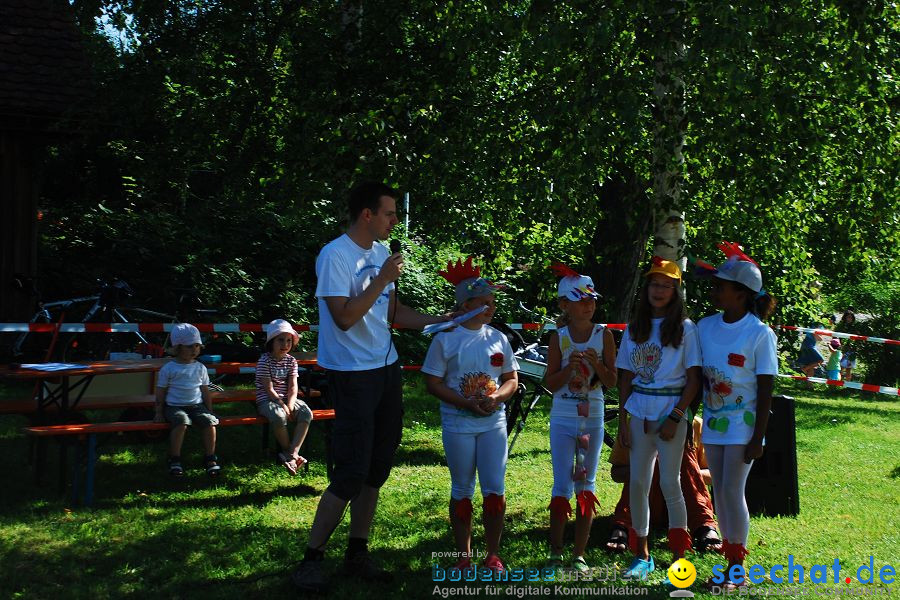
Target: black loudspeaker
772,487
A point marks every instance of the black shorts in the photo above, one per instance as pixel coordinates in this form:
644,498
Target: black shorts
368,412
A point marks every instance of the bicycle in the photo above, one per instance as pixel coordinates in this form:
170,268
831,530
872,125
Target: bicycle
29,347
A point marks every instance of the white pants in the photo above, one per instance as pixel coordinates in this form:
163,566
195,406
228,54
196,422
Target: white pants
467,452
563,441
645,447
729,477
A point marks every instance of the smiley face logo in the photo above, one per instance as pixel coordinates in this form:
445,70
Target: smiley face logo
682,573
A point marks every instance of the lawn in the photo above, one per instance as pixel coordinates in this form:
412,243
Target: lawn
150,536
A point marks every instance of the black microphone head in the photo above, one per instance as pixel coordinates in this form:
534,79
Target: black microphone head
395,246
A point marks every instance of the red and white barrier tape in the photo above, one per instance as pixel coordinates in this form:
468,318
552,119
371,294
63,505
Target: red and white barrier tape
838,334
855,385
261,327
140,327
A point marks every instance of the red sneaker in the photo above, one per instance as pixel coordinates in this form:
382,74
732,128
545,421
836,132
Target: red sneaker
494,563
464,564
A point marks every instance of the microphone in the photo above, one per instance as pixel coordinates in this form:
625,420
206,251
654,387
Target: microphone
395,248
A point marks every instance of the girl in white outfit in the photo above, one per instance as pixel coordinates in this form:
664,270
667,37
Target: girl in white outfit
581,359
472,371
739,366
659,361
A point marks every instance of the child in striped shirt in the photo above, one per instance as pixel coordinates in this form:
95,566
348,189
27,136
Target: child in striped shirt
276,393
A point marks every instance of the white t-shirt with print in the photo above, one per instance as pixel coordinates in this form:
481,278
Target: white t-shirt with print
345,270
469,360
657,367
582,384
733,355
182,382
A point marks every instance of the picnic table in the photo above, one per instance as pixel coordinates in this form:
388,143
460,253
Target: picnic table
60,388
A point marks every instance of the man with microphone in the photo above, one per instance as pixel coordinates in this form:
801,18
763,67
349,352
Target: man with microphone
357,299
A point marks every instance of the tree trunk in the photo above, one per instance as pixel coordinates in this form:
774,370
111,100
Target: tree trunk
618,246
668,140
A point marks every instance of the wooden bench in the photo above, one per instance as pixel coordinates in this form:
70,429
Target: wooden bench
26,407
88,432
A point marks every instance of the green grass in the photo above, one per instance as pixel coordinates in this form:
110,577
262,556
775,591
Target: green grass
149,536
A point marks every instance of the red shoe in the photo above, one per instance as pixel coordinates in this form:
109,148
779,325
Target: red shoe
463,565
494,563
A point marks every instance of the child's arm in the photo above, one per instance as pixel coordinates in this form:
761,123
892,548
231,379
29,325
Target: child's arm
158,416
205,396
269,388
605,369
508,386
556,377
437,388
764,386
625,377
291,399
691,387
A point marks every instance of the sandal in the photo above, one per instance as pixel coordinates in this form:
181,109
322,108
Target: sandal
618,539
289,463
212,465
175,468
706,539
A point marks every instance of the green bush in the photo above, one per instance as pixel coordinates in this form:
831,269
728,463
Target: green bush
879,303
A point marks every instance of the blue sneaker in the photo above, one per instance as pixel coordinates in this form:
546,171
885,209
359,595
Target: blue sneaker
640,569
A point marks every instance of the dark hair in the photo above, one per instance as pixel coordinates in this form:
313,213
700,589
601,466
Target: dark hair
761,305
847,316
271,344
368,195
671,331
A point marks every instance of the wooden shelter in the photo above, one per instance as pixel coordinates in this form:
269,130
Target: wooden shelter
44,89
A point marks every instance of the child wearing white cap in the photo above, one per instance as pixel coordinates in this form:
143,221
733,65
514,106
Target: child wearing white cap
472,371
276,393
581,359
182,399
739,366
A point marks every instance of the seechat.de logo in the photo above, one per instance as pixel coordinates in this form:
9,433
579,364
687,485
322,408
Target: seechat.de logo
682,574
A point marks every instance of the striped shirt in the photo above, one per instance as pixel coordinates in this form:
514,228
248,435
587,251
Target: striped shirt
280,373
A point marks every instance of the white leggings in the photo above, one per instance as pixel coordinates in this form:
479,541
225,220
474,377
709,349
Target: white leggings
729,477
484,451
563,435
645,447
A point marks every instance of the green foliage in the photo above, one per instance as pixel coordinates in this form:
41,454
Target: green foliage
226,136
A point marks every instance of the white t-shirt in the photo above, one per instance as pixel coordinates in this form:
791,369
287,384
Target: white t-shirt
659,371
581,385
183,382
733,355
346,270
470,360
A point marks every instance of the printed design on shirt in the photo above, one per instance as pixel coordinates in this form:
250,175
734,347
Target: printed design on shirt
718,387
367,273
580,380
279,372
476,384
645,359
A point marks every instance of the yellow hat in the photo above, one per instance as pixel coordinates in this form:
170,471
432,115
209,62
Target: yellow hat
665,267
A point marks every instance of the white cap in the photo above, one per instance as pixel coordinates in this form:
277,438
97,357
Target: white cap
741,271
575,288
279,326
185,334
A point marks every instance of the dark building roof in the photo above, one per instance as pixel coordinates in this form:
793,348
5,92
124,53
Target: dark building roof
44,73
